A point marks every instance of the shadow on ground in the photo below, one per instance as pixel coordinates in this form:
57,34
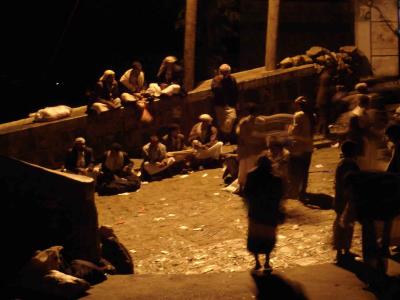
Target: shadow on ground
382,286
318,201
277,287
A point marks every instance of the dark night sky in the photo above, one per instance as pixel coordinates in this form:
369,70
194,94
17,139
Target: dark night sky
102,34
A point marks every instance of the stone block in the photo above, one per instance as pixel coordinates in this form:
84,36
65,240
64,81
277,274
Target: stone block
46,208
385,65
384,9
384,41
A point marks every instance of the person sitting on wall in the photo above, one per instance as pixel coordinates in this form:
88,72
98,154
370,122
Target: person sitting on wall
203,138
156,162
106,93
225,90
133,83
79,159
117,174
169,79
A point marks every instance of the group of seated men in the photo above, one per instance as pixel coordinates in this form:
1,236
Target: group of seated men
111,94
163,156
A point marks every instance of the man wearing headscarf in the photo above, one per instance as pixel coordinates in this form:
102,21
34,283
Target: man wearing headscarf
203,138
79,159
106,93
302,132
225,90
169,78
133,82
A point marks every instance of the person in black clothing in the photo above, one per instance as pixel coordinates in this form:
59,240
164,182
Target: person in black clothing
342,236
263,192
225,90
79,159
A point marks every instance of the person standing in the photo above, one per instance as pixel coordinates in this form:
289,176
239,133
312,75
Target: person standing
263,192
225,91
342,235
301,150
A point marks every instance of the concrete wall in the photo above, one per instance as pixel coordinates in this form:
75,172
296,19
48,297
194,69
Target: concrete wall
376,28
46,143
43,208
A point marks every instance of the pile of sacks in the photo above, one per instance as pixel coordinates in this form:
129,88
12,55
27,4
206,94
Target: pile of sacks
346,57
50,273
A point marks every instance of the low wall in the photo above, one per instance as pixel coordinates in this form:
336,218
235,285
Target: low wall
46,143
43,208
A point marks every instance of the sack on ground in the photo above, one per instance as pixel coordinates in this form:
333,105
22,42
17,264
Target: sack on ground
86,270
118,186
115,252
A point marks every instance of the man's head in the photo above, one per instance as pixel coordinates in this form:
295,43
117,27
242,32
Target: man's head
349,148
108,76
361,88
174,130
79,143
301,102
364,101
154,139
275,145
206,119
264,163
115,147
225,70
136,67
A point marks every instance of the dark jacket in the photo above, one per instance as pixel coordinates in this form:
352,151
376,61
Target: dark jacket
394,165
174,144
72,158
264,192
103,92
176,76
225,90
345,166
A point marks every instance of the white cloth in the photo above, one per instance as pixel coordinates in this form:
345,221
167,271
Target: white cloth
155,90
101,107
213,152
154,168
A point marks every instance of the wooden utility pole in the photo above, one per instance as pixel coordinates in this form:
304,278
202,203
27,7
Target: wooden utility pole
190,43
272,34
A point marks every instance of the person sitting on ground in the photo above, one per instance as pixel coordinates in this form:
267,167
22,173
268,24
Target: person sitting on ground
203,138
106,94
117,174
263,192
156,162
133,83
225,90
169,79
116,163
342,236
79,159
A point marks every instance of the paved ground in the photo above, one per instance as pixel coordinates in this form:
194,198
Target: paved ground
189,225
188,240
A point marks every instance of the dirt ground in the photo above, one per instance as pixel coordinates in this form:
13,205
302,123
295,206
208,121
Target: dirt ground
188,225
